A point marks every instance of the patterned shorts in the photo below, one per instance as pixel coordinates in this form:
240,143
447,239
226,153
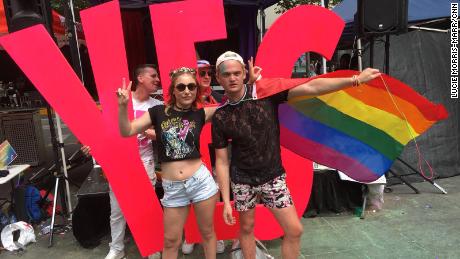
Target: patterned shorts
273,194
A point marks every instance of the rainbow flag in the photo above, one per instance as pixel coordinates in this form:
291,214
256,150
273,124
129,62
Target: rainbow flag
359,130
7,154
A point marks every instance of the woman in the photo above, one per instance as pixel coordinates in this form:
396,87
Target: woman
185,179
207,97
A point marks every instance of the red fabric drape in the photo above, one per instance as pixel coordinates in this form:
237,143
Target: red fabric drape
134,33
3,26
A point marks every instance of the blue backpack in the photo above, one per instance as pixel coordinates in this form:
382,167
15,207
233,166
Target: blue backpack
32,202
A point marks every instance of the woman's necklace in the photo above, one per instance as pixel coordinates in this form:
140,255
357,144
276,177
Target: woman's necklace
182,109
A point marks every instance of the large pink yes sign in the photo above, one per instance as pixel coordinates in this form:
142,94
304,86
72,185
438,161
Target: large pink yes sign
177,26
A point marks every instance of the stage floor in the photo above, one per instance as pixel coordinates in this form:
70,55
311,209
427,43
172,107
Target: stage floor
411,225
425,225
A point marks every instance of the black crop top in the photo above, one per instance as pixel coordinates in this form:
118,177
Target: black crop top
178,133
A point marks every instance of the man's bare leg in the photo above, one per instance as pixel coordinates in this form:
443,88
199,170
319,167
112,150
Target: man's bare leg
247,240
293,229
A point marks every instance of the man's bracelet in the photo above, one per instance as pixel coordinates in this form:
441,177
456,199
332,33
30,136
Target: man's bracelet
355,81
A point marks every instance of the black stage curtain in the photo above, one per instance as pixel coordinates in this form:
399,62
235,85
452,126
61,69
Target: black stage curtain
421,60
330,194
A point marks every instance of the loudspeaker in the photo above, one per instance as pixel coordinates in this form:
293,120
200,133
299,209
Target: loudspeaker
378,17
23,129
91,220
21,14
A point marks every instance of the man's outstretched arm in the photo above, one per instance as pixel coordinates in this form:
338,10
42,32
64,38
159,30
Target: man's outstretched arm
321,86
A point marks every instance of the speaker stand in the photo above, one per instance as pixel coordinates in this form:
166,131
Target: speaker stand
371,52
386,69
415,171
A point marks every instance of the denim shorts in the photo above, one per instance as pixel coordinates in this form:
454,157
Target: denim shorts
199,187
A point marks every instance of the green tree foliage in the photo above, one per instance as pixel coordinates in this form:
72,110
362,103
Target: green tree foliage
284,5
60,6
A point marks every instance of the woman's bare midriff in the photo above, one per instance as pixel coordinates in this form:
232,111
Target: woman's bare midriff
180,170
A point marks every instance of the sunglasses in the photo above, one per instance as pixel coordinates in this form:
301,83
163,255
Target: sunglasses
181,87
202,73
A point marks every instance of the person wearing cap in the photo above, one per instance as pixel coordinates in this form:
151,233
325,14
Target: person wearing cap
205,73
255,171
